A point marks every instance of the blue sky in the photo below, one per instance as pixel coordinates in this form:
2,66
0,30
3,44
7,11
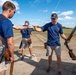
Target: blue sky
38,12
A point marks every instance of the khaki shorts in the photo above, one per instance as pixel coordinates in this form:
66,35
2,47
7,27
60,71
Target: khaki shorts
50,50
4,66
25,44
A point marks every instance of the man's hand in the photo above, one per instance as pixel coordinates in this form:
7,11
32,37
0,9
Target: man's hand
12,59
37,29
67,40
32,27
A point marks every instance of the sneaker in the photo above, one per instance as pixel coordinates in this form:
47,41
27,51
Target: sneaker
48,70
31,56
22,58
59,73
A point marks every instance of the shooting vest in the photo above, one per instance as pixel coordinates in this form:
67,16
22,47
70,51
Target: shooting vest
2,39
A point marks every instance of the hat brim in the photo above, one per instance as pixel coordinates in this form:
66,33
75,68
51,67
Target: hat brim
54,17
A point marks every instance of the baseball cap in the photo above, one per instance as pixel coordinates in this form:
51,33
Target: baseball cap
54,15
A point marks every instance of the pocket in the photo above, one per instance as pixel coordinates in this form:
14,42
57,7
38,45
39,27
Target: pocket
29,41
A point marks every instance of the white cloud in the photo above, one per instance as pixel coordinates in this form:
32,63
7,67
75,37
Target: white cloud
16,4
2,1
65,13
56,12
65,18
60,18
18,12
68,17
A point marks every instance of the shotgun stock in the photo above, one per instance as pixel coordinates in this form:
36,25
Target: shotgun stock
7,58
71,54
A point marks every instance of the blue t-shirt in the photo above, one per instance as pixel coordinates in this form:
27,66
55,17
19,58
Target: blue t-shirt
53,32
6,28
26,33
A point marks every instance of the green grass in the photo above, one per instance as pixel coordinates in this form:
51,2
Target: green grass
16,31
67,31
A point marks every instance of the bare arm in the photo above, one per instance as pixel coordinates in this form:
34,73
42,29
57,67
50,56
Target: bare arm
37,29
10,43
63,36
19,27
22,27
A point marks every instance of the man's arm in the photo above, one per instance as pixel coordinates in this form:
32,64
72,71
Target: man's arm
22,27
19,27
37,29
10,43
63,36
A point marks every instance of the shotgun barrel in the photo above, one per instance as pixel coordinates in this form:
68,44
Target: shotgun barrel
71,34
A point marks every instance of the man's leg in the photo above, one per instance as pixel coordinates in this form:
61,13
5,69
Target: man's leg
31,53
59,63
22,53
58,54
49,61
24,45
50,53
30,50
2,73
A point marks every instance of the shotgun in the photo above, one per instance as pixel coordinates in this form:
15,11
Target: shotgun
71,54
7,58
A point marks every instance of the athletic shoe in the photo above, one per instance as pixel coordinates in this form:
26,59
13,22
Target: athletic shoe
31,56
22,58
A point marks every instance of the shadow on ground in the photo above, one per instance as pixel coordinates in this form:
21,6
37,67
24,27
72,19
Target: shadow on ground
41,66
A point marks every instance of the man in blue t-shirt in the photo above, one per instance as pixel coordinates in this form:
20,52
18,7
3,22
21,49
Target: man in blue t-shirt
54,29
6,31
26,40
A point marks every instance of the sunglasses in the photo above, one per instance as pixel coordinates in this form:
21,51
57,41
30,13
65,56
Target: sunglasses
53,18
14,12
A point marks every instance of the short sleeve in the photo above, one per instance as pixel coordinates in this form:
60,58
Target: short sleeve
7,28
45,27
61,30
